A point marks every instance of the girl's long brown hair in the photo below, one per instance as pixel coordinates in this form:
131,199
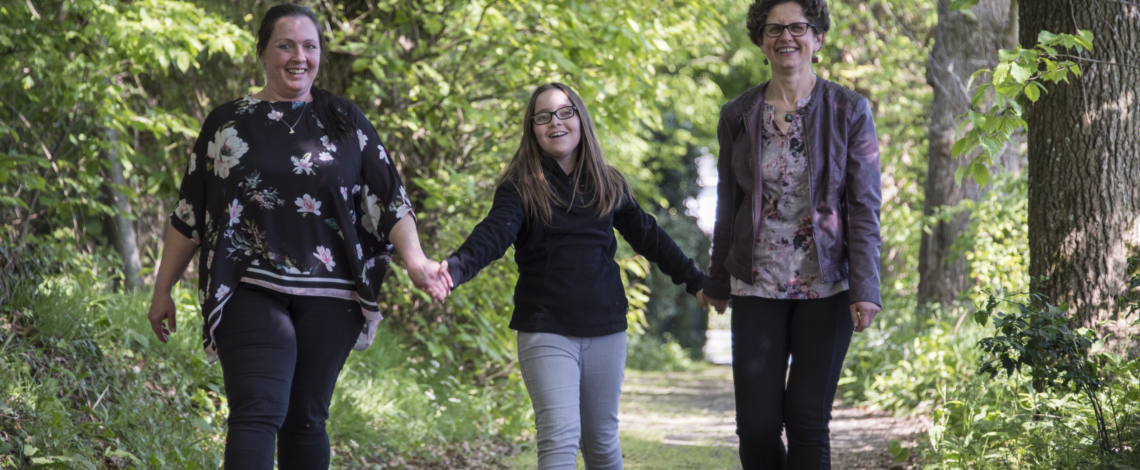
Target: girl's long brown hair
605,183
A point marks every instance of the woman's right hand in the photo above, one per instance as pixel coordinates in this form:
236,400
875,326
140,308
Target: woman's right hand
161,315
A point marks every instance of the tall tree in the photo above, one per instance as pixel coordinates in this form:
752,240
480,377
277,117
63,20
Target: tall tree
965,41
1084,159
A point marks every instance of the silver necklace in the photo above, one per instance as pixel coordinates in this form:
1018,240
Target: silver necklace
298,121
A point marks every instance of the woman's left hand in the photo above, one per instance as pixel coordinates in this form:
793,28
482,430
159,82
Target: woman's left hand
862,313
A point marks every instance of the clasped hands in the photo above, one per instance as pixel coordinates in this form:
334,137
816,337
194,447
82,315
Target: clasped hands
432,277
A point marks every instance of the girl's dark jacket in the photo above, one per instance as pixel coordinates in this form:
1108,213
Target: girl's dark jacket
569,283
843,167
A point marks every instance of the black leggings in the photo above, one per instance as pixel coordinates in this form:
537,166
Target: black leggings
815,333
281,355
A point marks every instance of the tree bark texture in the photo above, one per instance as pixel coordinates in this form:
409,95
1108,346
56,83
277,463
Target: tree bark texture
964,43
1084,159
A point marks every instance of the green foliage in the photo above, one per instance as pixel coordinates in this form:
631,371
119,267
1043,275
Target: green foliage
996,243
903,364
1076,408
1020,73
1038,338
648,353
81,100
86,385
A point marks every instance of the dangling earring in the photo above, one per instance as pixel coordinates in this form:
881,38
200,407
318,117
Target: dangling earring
765,61
815,59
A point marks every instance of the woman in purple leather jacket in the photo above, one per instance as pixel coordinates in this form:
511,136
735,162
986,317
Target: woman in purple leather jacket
796,243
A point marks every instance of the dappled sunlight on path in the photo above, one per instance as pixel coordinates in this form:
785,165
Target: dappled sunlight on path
697,409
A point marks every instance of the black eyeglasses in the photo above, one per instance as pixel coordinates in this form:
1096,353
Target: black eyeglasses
562,113
773,30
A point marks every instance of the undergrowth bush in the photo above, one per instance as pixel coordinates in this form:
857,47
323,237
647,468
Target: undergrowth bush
1061,403
86,385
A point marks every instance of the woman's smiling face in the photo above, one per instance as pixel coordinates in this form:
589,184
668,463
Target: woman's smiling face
787,51
292,58
558,138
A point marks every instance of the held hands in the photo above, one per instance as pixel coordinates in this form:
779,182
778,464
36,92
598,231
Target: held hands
426,277
862,313
719,305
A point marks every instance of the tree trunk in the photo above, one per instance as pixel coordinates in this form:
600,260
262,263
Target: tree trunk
963,44
1084,160
122,230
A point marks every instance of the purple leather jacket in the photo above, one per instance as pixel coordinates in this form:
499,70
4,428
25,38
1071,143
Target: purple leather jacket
843,164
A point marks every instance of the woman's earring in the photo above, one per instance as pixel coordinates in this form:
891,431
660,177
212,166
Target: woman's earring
815,59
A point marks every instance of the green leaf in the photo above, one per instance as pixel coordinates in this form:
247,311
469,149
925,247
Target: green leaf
1085,38
965,144
899,452
1032,92
1020,72
974,76
958,173
1045,37
1001,73
981,174
991,146
979,95
981,317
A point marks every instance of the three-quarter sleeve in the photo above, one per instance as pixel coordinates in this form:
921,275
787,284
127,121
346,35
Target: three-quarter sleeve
189,216
490,238
383,199
651,241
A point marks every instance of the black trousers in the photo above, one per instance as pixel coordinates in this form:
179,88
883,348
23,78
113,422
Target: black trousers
281,355
815,333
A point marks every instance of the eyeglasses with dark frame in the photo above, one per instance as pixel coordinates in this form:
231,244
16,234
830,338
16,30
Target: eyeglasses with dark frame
563,114
774,30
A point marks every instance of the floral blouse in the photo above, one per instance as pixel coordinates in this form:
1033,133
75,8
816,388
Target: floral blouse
784,259
274,201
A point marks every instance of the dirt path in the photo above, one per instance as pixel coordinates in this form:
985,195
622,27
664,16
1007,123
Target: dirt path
696,409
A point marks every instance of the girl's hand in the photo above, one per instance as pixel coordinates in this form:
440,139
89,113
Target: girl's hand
445,274
862,314
161,314
719,305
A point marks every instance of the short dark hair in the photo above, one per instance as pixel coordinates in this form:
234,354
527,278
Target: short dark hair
323,103
814,10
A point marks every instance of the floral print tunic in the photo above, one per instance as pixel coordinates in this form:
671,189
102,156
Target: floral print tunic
784,260
274,201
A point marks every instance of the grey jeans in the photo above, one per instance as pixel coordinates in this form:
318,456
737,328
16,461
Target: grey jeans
574,384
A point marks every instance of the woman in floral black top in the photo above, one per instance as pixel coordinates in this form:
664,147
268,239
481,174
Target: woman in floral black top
297,208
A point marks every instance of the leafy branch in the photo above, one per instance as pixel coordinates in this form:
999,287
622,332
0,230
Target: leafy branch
1019,76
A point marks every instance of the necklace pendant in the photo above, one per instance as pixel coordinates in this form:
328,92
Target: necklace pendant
290,131
788,117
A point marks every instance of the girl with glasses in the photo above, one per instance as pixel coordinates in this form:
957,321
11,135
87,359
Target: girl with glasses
796,241
558,204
